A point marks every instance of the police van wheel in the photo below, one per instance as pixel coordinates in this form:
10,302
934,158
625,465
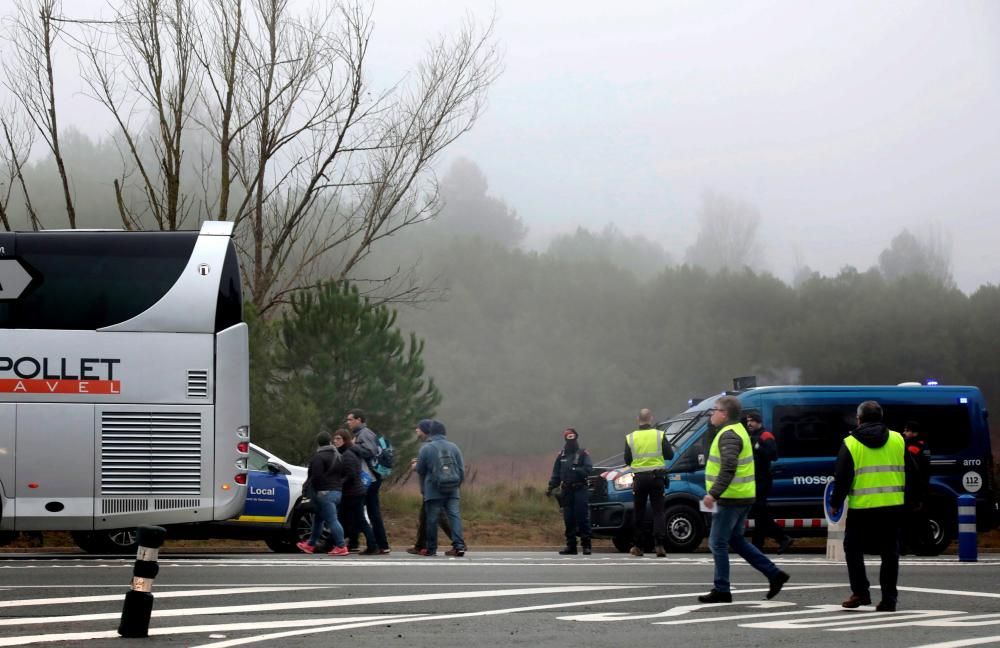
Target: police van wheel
279,544
622,542
302,528
938,536
685,528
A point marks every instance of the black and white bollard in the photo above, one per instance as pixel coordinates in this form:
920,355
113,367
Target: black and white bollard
139,599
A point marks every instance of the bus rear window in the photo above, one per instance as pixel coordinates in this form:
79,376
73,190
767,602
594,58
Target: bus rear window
89,280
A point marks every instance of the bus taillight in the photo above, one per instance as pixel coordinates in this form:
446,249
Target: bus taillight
243,432
243,446
240,479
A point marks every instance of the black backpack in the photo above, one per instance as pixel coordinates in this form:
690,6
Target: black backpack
446,474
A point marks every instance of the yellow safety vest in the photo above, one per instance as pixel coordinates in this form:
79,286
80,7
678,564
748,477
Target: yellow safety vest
879,473
743,485
647,449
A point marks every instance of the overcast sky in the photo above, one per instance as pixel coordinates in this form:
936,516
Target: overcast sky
842,121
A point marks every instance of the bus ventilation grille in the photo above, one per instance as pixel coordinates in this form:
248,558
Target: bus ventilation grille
164,504
197,383
151,453
109,506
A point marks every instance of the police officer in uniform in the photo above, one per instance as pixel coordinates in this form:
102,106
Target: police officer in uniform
918,534
871,475
730,486
646,451
569,473
765,451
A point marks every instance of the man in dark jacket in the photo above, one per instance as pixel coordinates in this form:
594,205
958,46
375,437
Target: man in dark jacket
367,443
324,486
870,474
729,480
765,451
569,473
647,450
442,469
423,431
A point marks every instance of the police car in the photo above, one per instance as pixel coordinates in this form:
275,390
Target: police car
273,512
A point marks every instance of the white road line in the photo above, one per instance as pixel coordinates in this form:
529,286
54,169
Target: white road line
175,630
927,590
465,615
676,611
860,620
959,643
964,620
177,594
297,605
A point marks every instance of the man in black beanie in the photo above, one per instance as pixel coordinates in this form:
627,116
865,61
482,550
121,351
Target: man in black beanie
569,473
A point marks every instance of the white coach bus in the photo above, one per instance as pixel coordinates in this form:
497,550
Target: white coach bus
124,380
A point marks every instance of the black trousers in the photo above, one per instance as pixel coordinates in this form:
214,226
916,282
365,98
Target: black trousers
764,526
576,514
648,486
876,529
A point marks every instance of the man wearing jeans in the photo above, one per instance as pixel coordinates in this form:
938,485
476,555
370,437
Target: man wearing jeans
729,482
442,470
367,443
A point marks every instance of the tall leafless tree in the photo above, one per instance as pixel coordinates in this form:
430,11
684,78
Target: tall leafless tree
314,166
34,32
14,150
143,70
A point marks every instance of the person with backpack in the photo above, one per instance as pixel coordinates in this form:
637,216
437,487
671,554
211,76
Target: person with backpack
569,474
442,469
369,446
421,541
355,485
324,486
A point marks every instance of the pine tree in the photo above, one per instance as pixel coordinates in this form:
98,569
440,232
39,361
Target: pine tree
337,350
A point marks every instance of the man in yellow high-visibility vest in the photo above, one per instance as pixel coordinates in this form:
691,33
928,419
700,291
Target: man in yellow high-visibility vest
647,450
730,486
871,475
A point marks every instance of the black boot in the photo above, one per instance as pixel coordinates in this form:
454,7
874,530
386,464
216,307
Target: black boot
586,546
569,550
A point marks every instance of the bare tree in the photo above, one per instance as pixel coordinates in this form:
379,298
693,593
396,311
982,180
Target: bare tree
144,72
14,151
727,239
34,31
313,165
325,166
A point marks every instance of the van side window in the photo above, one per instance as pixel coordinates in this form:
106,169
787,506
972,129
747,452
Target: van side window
812,430
946,428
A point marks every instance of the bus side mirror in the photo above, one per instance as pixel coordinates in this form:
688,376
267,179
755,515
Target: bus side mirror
277,469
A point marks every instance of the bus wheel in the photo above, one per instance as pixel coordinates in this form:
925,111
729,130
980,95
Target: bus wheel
106,542
622,542
685,528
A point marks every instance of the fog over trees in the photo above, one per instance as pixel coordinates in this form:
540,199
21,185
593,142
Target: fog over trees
251,112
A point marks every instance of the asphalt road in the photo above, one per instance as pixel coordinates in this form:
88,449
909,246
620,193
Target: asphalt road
488,599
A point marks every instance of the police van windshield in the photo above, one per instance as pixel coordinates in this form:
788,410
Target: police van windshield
680,427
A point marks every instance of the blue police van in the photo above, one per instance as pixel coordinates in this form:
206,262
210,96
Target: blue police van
809,423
